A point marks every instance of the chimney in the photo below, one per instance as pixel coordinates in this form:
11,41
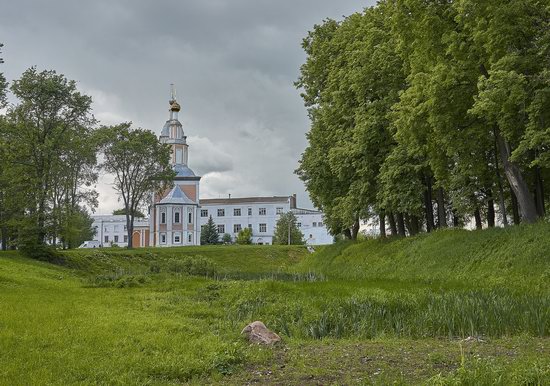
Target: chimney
293,201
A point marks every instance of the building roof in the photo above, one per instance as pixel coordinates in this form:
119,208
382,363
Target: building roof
183,171
176,196
245,200
303,211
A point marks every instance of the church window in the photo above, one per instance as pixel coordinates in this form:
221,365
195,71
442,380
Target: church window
262,211
163,238
221,212
279,210
190,238
221,228
106,239
263,228
177,217
116,239
163,218
236,228
204,212
125,238
237,212
250,211
190,218
177,238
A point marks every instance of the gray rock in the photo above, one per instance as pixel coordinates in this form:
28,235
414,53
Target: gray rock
257,332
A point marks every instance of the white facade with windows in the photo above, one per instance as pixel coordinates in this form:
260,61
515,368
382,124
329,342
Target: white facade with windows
111,229
261,215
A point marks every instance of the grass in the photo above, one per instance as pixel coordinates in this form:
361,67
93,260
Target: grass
453,307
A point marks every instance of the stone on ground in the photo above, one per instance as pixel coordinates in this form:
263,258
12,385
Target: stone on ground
257,332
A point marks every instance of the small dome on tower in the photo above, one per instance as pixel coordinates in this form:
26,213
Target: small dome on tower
175,106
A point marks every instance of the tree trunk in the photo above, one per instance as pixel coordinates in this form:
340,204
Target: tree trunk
456,220
441,214
347,233
412,225
4,231
393,225
539,192
355,230
501,202
400,224
515,209
490,212
382,225
428,205
477,216
513,173
129,228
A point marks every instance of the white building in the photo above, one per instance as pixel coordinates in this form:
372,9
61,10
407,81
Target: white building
111,230
261,214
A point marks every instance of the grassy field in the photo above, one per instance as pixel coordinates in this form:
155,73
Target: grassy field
453,307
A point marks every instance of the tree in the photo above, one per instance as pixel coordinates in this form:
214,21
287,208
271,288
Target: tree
244,237
51,157
226,238
122,211
140,163
77,229
209,233
287,231
3,83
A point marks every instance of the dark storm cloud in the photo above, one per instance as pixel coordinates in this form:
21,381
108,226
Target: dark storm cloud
233,62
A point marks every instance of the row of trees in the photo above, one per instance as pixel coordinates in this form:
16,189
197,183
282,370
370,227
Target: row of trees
428,113
49,149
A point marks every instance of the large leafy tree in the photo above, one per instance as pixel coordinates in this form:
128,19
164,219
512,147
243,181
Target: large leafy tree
48,132
426,110
140,164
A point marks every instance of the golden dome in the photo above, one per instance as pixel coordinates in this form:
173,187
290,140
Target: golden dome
175,106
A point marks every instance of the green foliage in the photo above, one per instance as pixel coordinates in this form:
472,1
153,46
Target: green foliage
244,237
209,233
226,238
287,231
122,211
140,163
77,228
192,265
410,97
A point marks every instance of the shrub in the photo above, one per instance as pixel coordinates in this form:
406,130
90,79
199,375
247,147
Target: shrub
244,236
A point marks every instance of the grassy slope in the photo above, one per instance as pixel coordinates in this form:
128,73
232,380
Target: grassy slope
513,257
174,328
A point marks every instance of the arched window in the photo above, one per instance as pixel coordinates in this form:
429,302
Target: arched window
177,217
163,218
190,218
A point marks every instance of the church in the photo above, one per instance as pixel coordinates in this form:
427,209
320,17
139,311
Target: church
176,216
173,215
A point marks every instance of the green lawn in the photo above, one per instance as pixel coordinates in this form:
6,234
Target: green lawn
453,307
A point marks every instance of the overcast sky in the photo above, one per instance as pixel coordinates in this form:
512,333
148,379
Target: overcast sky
233,63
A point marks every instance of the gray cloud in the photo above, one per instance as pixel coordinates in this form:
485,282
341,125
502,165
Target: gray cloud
233,62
